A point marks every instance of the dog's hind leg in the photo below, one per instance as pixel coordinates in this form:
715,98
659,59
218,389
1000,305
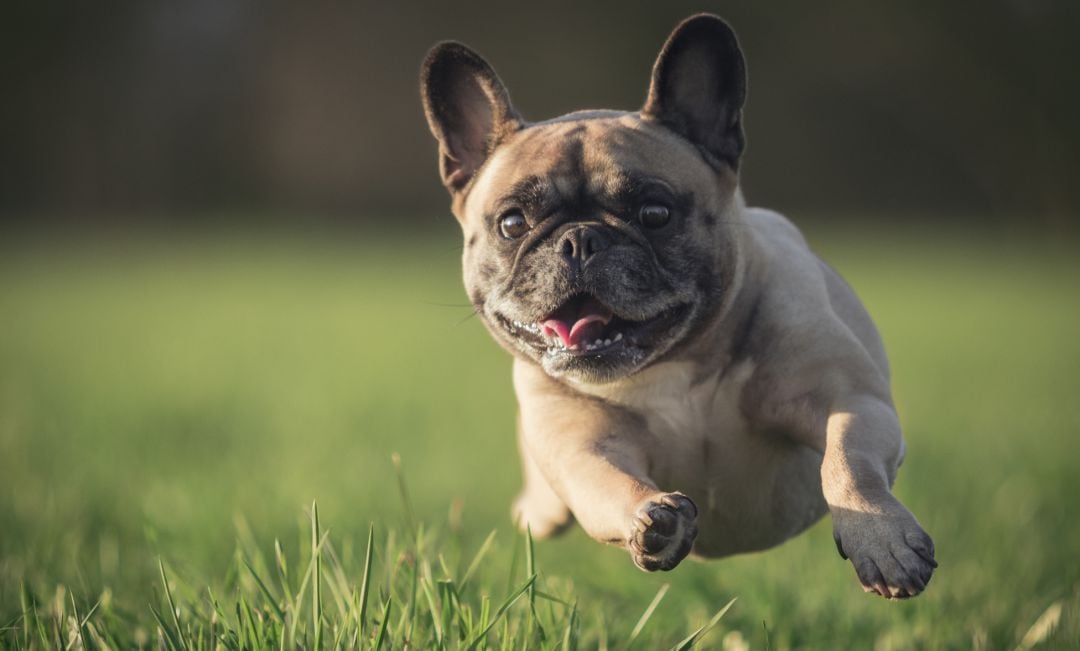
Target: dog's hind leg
537,507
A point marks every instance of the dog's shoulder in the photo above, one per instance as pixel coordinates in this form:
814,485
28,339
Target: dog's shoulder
812,339
803,295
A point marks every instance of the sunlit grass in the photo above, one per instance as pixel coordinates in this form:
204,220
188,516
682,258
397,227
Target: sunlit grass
416,587
186,401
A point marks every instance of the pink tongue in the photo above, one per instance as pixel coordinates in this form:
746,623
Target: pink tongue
571,335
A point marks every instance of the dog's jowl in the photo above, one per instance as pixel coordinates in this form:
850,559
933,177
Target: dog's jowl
691,378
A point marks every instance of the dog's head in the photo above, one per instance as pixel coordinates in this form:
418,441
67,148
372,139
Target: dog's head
599,242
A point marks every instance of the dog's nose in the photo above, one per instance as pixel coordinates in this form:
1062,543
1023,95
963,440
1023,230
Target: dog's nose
580,243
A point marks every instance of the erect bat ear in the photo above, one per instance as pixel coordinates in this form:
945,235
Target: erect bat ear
467,108
699,86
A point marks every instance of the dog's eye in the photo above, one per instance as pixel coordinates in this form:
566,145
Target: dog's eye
513,225
654,215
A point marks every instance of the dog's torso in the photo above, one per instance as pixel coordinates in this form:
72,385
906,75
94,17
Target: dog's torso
708,418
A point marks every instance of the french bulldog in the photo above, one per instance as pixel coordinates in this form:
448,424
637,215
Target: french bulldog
690,376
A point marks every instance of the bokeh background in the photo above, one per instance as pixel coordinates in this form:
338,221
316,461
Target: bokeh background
157,111
229,285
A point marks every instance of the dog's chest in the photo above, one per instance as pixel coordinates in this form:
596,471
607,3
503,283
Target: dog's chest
752,490
680,407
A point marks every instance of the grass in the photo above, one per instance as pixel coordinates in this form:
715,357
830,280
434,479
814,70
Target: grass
171,409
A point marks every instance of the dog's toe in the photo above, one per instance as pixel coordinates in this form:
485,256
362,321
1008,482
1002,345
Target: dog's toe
662,532
892,556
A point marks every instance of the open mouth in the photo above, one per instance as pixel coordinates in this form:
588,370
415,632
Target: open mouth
583,326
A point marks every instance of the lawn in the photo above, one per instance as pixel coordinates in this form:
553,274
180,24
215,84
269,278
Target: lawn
186,398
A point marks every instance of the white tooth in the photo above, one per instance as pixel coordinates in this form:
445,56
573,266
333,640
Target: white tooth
598,342
618,336
607,342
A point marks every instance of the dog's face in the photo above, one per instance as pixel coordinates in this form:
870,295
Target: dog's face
596,243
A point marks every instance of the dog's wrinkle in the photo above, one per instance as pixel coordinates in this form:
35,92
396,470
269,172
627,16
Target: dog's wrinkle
635,234
627,229
528,194
531,241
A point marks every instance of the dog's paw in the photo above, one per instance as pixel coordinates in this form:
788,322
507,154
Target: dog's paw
891,554
662,532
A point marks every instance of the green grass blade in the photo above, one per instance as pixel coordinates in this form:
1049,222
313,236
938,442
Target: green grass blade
365,582
451,610
300,593
697,635
569,640
25,601
217,607
316,582
172,607
530,569
409,615
170,639
78,620
282,566
436,615
552,598
644,619
40,629
253,628
266,592
340,635
384,624
85,620
500,612
334,578
475,564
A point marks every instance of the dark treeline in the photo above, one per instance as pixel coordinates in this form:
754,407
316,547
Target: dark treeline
157,110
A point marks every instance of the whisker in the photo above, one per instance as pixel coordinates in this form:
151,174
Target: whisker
471,315
434,304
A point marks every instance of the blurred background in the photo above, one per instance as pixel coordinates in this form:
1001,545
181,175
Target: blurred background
157,111
230,285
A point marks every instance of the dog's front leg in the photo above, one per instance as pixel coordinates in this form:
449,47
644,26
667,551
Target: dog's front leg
592,455
891,553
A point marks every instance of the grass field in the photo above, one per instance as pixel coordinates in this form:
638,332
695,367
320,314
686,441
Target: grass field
187,398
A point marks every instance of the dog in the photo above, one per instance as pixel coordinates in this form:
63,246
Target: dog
690,376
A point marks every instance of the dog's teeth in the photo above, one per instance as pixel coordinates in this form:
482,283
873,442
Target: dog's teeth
618,336
607,342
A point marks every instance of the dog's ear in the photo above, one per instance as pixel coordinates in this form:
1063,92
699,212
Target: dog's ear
467,108
699,85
